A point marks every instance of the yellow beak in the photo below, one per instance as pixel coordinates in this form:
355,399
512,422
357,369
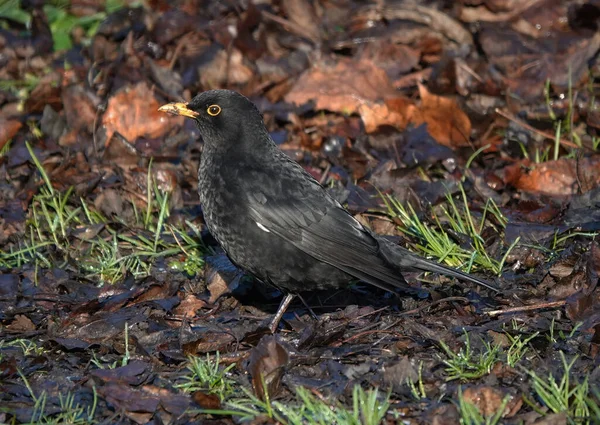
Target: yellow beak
178,108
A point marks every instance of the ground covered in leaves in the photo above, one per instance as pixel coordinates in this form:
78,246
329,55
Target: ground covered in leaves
466,131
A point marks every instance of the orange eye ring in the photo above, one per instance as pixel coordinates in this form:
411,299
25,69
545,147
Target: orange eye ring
213,110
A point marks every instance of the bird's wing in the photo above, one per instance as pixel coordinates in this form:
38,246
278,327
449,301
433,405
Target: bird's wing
295,207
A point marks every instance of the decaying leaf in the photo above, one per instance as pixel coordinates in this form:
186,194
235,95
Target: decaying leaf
394,112
342,86
489,399
564,177
8,128
362,87
446,122
221,276
133,112
267,364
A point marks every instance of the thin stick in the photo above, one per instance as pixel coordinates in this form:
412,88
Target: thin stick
526,126
540,306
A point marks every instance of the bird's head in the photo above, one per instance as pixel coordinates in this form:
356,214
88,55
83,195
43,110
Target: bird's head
223,117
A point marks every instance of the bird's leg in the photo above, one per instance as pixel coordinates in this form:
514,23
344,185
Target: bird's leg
310,310
285,303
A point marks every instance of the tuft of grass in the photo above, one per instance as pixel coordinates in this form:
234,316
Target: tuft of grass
70,411
28,347
553,336
518,348
206,374
470,414
466,364
368,408
110,253
564,395
434,241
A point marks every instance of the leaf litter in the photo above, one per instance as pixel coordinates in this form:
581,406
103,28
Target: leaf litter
480,120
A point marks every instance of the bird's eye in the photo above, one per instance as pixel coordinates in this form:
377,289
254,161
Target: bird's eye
213,110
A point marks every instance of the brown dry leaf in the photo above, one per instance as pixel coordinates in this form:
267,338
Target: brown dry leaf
8,128
446,122
341,87
133,112
80,111
21,323
564,177
238,70
221,276
188,306
217,287
488,400
267,363
302,14
206,401
394,112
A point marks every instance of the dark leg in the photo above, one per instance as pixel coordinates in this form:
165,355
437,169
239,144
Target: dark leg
280,312
310,310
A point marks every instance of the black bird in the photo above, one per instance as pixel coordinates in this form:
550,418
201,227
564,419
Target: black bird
274,219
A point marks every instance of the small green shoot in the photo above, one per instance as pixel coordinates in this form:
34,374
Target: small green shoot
560,335
368,408
112,253
417,389
518,348
28,347
70,411
434,241
562,395
206,374
100,364
465,364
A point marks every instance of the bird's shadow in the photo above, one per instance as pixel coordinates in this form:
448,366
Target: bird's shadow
252,292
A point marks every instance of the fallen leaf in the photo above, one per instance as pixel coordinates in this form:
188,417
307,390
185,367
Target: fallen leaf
189,306
206,401
393,112
21,323
267,363
226,68
8,128
446,122
302,14
488,400
221,276
133,112
564,177
341,87
79,108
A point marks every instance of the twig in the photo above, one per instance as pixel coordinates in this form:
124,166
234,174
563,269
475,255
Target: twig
526,126
540,306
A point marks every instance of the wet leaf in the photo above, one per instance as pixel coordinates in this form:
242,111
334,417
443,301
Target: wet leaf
267,365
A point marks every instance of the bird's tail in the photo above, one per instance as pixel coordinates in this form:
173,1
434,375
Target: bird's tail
406,260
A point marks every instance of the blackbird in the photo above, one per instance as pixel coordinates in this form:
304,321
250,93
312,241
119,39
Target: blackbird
274,220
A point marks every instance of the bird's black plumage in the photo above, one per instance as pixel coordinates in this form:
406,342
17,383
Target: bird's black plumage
274,219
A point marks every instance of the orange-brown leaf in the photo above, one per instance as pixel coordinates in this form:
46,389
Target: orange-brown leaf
133,112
